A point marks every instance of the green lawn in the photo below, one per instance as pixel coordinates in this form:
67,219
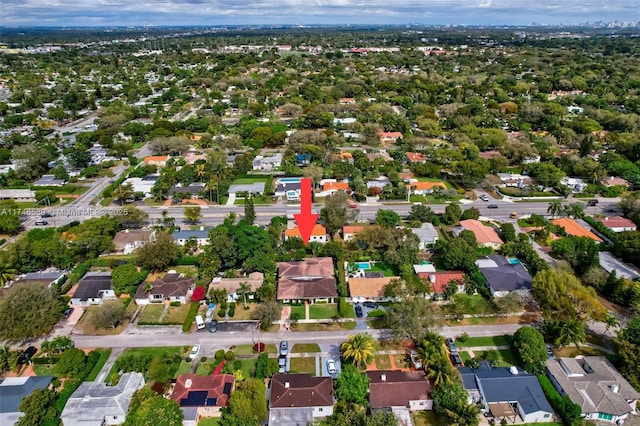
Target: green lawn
430,418
215,421
183,368
248,366
323,311
299,348
248,349
485,341
507,358
177,314
204,368
303,365
250,180
382,362
465,356
44,369
151,313
104,356
155,351
385,268
298,310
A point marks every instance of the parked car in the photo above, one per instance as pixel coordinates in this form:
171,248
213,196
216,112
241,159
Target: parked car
353,206
484,197
457,361
331,367
27,355
359,311
43,215
550,353
67,313
413,355
41,223
514,215
213,326
492,206
452,345
370,305
195,350
282,364
284,348
592,203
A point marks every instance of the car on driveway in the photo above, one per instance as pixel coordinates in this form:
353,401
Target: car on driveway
282,364
550,353
452,345
67,313
484,197
492,206
331,367
370,305
195,350
413,355
213,326
284,348
457,361
359,311
27,355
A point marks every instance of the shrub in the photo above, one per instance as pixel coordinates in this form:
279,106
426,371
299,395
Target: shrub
188,359
377,313
259,347
198,294
237,364
231,313
232,305
229,356
219,354
188,261
203,359
463,337
175,303
345,310
221,313
223,306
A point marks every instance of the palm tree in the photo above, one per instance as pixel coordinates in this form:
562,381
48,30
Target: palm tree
123,192
555,208
200,170
359,349
7,273
571,331
244,289
440,372
610,321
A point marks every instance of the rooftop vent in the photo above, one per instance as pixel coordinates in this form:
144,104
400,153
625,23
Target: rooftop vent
513,370
286,385
615,388
187,383
383,377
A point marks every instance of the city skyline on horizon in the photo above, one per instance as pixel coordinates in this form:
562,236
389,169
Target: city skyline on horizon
79,13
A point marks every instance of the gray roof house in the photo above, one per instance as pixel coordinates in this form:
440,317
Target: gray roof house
18,194
12,390
49,180
172,287
194,189
47,278
267,163
505,275
250,188
93,289
595,385
96,404
507,392
201,235
427,234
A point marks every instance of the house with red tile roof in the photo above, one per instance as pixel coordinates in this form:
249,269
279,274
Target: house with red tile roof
345,156
441,279
311,280
156,160
347,101
573,228
206,395
350,232
390,137
330,187
415,157
318,234
616,181
363,289
486,236
389,389
618,223
424,188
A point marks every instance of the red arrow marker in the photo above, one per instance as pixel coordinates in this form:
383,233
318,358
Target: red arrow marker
305,219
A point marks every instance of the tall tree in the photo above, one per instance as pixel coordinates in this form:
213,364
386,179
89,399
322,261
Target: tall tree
109,315
571,331
244,288
147,408
352,385
157,255
387,218
452,214
193,213
359,349
413,319
249,210
336,212
123,192
529,346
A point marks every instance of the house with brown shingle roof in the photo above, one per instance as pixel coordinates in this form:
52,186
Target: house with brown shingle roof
389,389
486,236
369,288
573,228
299,399
616,181
311,280
173,287
206,395
127,240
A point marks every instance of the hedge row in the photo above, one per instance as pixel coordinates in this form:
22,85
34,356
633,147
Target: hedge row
601,228
71,385
159,323
191,316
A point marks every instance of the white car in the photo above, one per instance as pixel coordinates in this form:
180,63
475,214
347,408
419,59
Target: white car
194,351
331,366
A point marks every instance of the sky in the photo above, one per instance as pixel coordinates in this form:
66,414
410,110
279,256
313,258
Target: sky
308,12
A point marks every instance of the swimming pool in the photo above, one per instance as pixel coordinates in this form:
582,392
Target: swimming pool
426,262
289,180
363,265
514,260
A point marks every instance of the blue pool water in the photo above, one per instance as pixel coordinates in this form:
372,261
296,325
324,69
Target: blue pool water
289,180
363,265
513,260
426,262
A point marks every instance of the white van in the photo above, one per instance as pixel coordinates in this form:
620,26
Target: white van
199,322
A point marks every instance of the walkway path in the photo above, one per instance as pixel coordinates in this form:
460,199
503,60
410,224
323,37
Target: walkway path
102,375
284,318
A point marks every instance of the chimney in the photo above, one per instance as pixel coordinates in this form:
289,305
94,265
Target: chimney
202,228
286,385
126,231
383,378
615,388
187,383
432,279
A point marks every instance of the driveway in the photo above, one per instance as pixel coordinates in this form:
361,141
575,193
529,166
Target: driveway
236,326
334,349
65,326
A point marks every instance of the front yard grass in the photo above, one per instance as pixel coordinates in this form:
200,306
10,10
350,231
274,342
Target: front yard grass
329,326
323,311
248,349
303,365
464,355
44,369
299,348
248,366
298,310
183,368
204,368
151,313
382,362
471,342
85,324
104,356
430,418
507,358
242,314
209,421
401,360
176,314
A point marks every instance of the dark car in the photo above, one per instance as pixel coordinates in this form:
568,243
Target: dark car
452,345
370,305
492,206
457,361
358,311
27,355
67,313
592,203
43,215
550,353
213,326
42,223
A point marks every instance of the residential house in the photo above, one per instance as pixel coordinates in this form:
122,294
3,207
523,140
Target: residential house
267,163
440,280
193,190
505,275
173,287
514,180
350,232
289,188
486,236
382,154
610,263
576,185
342,121
232,285
595,385
346,156
47,278
365,288
573,228
427,234
618,223
200,235
506,393
390,137
251,189
13,390
156,160
310,280
49,180
20,195
378,183
144,184
424,188
299,399
415,157
393,390
96,404
93,289
347,101
128,240
424,268
616,181
331,186
202,396
318,234
192,156
303,159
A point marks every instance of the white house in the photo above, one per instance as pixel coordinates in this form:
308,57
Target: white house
93,289
577,185
427,234
201,236
267,163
